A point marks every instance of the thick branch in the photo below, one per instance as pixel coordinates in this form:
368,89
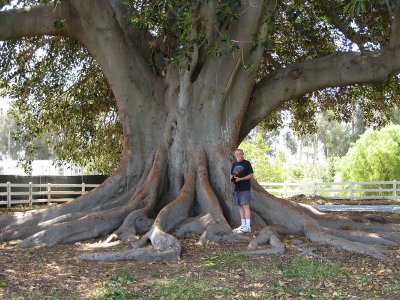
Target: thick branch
219,75
338,69
47,19
395,28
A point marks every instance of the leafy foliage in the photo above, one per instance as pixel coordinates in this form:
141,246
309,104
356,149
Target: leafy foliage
62,98
310,29
374,157
311,270
257,153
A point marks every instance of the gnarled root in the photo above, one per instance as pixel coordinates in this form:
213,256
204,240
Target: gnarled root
196,226
128,215
104,221
164,245
267,234
318,235
141,254
95,200
219,233
135,223
365,237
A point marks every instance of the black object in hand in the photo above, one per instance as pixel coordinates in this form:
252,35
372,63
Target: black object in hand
233,179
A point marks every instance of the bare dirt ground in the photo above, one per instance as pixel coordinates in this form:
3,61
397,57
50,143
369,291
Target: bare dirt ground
215,271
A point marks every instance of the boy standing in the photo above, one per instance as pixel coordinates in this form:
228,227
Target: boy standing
241,173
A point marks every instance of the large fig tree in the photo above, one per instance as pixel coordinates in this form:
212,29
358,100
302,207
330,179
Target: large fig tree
190,80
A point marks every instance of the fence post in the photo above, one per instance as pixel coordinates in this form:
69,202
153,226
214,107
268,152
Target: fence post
394,189
285,189
30,194
314,193
351,190
48,192
8,194
83,188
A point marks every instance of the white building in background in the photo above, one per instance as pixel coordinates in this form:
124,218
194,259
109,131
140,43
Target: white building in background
39,168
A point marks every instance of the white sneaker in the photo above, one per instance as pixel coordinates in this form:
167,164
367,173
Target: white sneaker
239,229
246,229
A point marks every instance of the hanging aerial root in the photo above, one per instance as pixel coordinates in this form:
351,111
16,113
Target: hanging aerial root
267,234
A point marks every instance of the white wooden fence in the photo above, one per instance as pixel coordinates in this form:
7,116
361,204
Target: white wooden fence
40,193
337,190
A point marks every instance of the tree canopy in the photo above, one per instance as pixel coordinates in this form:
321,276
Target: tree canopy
60,92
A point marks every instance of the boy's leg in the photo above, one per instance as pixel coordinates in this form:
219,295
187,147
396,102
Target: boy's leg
242,219
246,213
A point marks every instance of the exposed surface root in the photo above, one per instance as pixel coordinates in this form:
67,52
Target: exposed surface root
164,245
309,252
320,236
92,200
135,223
219,233
173,202
363,237
267,234
196,226
141,254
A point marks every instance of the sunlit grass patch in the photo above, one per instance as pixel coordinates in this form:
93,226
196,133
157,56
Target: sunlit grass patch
188,289
310,269
393,288
113,292
123,276
254,269
116,289
228,258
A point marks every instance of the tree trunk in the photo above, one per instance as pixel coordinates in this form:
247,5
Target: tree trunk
178,186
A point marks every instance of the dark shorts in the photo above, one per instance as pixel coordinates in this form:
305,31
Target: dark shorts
242,197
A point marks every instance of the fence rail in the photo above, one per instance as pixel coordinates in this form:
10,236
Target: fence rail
20,193
337,190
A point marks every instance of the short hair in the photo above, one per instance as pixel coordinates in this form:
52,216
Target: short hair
240,150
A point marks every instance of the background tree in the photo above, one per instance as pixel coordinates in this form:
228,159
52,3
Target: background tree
8,146
190,80
336,137
19,149
259,154
374,157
